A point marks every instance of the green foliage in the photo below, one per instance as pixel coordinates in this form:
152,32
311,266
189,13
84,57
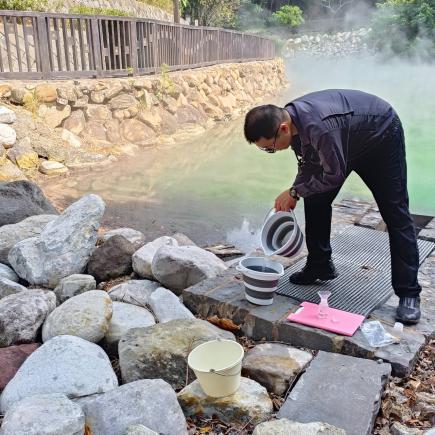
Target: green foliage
88,10
166,85
23,5
289,16
405,27
219,13
166,5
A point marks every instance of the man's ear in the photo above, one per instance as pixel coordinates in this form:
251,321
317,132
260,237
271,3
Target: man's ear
284,128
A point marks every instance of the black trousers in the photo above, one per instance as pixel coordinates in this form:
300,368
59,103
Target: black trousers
383,170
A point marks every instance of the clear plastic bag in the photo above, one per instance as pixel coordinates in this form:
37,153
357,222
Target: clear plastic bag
376,334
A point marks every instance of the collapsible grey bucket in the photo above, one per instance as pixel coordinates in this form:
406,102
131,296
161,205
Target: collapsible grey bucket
260,276
281,234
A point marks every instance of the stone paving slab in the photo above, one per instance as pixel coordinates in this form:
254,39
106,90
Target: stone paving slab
428,232
340,390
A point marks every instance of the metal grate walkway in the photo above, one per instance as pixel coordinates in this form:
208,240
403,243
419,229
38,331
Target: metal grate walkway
362,257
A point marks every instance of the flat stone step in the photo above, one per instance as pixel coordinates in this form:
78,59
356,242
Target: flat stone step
339,390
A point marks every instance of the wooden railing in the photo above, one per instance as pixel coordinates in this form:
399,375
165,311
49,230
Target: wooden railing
43,46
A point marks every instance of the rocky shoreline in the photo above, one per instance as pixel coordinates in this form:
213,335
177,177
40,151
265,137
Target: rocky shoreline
54,127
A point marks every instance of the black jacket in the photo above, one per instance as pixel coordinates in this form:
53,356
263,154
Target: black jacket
335,127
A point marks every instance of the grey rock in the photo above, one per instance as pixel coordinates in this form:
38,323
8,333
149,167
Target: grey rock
179,267
45,414
166,306
112,259
125,317
23,155
142,402
136,291
21,199
400,429
275,366
283,426
133,236
249,403
64,246
7,135
183,240
8,273
139,429
122,101
64,364
74,285
329,384
86,315
22,314
7,116
161,351
11,234
8,287
143,257
428,232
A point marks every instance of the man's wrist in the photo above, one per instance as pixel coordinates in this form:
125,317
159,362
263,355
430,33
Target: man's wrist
293,193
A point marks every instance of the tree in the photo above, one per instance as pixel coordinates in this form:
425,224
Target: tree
176,11
211,12
289,15
335,5
405,27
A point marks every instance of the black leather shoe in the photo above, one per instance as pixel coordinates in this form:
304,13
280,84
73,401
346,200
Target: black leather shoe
312,272
408,310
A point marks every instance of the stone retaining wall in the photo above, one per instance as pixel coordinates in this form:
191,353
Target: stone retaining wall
77,123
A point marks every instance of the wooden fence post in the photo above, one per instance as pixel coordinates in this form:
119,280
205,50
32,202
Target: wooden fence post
44,53
133,47
156,67
96,47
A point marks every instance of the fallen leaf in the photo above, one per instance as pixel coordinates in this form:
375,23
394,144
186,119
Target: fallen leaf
223,323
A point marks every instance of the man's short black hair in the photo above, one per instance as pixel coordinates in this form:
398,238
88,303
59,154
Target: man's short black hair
262,121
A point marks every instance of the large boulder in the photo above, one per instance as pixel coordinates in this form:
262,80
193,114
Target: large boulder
135,131
112,259
275,365
179,267
86,315
161,351
45,414
141,402
74,285
11,359
143,257
8,287
22,314
250,403
11,234
135,291
133,236
21,199
64,246
283,426
125,317
65,364
8,273
166,306
76,122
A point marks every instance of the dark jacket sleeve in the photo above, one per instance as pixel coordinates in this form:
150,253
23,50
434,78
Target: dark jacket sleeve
333,174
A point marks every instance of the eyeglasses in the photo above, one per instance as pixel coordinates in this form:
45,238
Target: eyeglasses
271,150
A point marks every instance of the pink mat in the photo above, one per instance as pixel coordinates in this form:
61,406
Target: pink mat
338,321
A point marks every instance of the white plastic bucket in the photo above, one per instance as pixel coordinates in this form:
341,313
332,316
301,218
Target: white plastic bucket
281,235
217,365
260,286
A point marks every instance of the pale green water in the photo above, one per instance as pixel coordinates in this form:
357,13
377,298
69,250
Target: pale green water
209,186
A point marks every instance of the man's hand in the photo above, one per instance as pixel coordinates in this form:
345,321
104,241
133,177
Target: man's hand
285,202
